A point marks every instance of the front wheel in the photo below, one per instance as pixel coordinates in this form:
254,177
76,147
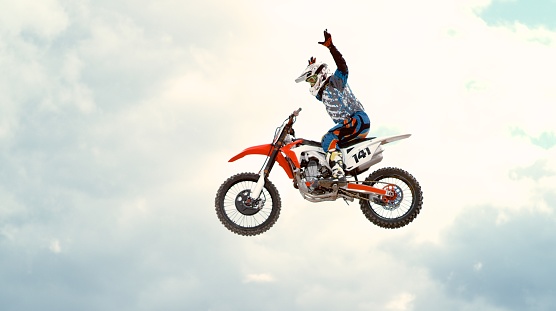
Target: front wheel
401,206
242,214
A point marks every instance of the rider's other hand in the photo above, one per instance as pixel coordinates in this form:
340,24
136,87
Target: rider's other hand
327,39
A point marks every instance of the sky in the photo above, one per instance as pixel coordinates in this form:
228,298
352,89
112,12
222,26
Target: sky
117,120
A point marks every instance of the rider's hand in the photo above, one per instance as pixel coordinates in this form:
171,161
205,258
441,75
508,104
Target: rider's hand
312,60
327,39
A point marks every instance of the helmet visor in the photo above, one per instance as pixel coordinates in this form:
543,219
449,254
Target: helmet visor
303,77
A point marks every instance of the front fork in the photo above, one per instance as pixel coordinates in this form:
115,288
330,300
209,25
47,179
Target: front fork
263,175
256,192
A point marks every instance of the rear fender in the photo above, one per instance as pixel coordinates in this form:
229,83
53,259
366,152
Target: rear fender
359,157
265,150
390,139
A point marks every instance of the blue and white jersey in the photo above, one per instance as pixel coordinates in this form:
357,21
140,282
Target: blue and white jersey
338,98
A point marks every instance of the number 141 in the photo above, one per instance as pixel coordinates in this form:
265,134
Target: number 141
362,154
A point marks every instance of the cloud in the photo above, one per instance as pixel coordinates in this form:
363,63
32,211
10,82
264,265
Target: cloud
503,264
258,278
44,22
401,302
55,246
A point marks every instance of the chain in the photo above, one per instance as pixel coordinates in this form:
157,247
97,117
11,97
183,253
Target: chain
354,195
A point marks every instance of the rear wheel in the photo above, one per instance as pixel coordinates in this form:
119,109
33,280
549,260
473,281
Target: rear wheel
403,203
242,214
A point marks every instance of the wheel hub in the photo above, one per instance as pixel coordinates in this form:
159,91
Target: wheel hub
393,198
245,204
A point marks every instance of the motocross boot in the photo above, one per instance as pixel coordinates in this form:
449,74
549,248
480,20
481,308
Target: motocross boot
337,164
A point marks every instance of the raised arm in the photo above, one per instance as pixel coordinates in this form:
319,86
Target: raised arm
338,58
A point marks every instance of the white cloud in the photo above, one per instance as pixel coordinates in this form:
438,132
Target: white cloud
402,302
55,246
258,278
44,19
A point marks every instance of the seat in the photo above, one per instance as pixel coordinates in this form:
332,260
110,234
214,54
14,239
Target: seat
313,143
350,143
344,145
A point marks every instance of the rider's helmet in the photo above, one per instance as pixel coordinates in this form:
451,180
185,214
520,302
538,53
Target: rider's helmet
316,74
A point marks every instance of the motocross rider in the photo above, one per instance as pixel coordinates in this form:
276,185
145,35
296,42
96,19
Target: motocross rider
343,107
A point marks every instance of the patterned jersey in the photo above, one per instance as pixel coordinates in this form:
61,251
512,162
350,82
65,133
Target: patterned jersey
338,98
336,95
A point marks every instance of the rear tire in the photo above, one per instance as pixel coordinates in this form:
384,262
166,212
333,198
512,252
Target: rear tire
238,213
401,208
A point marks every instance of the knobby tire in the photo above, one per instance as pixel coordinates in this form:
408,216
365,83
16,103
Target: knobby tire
234,220
392,218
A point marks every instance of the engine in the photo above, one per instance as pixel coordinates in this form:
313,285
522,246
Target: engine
311,172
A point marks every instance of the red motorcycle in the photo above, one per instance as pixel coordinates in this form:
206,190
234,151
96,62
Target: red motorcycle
249,204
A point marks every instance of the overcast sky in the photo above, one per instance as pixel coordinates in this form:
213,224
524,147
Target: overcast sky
117,119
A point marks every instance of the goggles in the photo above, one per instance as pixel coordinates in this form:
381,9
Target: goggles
312,79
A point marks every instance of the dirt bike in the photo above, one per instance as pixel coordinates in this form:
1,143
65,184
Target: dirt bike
249,204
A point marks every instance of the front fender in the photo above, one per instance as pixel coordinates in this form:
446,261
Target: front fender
265,150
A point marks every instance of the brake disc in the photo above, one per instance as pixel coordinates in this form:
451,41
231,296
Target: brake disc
247,205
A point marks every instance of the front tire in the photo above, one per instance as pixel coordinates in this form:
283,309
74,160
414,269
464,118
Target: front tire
242,215
399,209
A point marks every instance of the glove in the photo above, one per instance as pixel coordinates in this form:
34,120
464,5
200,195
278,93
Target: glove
312,60
327,39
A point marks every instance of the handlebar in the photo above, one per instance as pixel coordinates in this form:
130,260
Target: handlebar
292,116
